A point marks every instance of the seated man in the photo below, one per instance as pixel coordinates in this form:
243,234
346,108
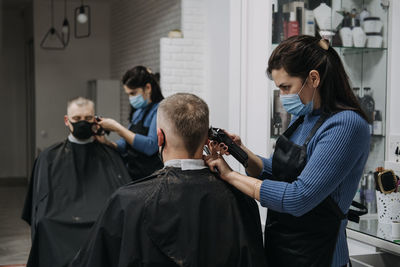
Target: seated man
70,183
181,215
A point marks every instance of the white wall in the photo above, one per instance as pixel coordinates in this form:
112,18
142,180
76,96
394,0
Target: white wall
182,65
12,94
217,61
394,69
136,29
61,75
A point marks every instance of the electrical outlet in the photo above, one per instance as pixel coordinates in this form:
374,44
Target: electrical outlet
394,147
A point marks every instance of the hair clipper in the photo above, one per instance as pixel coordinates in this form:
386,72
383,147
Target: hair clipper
100,131
218,135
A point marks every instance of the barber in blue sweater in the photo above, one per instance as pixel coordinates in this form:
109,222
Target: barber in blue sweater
309,182
138,144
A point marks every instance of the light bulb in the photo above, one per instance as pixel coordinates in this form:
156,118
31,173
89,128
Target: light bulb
65,26
82,17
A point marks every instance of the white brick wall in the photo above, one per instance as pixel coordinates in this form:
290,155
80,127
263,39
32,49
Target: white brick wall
182,66
136,29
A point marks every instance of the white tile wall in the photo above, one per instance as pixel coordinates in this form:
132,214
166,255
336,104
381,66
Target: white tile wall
183,63
136,29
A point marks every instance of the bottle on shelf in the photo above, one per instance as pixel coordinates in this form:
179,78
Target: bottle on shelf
369,193
359,36
368,105
308,23
357,92
363,188
377,124
346,34
363,14
293,25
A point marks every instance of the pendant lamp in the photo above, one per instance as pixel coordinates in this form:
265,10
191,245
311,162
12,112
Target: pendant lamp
52,39
65,30
82,21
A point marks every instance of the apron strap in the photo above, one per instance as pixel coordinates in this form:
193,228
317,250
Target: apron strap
293,127
318,124
335,208
146,112
354,215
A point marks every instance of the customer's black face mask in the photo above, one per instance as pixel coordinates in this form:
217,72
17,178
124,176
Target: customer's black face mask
82,129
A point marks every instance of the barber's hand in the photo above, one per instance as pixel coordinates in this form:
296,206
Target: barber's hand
216,161
110,125
235,138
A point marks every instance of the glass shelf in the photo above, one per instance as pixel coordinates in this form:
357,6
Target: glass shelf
374,233
365,49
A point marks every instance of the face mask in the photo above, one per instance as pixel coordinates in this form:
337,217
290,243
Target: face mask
82,129
137,101
292,103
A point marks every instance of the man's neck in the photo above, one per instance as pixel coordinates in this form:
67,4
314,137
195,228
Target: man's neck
177,155
75,140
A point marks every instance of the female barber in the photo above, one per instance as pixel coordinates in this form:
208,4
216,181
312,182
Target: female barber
138,143
309,182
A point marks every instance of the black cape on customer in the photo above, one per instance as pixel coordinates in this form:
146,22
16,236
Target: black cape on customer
176,218
69,186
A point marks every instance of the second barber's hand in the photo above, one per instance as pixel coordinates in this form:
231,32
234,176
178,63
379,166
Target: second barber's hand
110,125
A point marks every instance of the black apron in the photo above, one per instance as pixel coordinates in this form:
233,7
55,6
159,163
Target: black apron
308,240
139,164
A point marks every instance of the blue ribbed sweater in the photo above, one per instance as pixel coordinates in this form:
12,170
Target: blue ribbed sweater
336,157
146,144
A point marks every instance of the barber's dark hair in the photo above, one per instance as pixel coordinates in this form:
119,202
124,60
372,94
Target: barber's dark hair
138,77
298,55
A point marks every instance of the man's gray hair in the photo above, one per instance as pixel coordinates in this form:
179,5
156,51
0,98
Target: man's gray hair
188,114
80,102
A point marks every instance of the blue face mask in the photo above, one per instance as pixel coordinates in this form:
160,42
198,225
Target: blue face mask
292,103
138,101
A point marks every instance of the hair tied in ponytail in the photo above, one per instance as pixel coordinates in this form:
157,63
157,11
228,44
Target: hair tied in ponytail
324,44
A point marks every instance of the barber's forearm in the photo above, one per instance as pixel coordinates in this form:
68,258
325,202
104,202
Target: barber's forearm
126,134
248,185
255,164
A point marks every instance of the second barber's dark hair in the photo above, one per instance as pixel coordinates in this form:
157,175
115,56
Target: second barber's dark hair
138,77
298,55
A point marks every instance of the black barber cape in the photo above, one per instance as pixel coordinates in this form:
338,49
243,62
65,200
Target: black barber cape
69,186
176,218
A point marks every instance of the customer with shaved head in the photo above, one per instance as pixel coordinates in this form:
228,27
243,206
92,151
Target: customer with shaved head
181,215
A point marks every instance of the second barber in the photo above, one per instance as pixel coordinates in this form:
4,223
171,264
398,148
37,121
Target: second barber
138,143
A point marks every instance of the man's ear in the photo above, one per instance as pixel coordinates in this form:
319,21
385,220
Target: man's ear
160,137
66,120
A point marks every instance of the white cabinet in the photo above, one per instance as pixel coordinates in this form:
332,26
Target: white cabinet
106,97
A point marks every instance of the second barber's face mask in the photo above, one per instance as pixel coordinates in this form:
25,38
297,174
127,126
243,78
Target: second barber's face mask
82,129
292,103
137,101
